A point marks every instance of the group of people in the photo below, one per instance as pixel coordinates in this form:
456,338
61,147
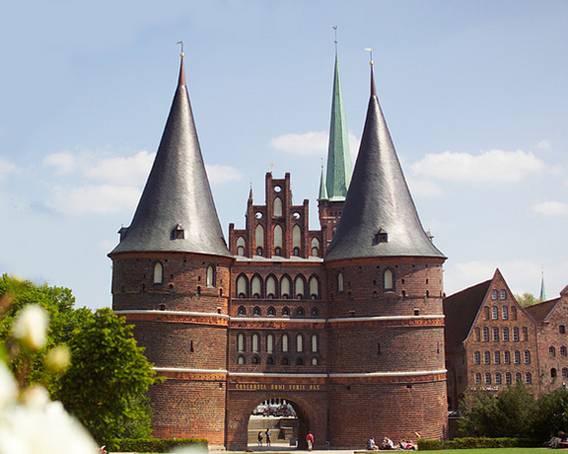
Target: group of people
388,444
560,441
261,437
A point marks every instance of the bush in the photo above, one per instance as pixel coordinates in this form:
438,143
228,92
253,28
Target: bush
475,443
155,444
552,414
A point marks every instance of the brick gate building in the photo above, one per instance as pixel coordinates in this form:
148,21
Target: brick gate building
345,322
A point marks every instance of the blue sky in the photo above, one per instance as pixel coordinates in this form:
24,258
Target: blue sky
475,94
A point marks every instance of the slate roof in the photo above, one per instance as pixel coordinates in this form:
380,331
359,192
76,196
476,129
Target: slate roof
460,310
177,192
379,198
541,310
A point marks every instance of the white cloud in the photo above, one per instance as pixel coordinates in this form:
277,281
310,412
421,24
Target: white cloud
129,170
309,143
219,174
551,208
543,145
423,188
487,166
6,167
63,162
93,199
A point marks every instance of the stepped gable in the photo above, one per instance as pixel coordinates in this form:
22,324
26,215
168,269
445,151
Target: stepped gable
379,218
460,310
176,212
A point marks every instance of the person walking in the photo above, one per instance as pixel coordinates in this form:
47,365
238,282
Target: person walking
267,434
259,438
310,440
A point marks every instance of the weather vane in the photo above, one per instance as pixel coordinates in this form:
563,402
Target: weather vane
370,50
181,54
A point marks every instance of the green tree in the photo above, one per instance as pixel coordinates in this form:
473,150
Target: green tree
526,299
507,414
552,414
109,377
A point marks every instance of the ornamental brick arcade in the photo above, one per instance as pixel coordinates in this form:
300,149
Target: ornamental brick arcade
345,321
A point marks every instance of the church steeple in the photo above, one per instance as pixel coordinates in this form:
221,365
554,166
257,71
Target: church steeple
379,217
339,166
176,211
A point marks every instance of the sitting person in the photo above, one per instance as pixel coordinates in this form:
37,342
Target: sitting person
555,442
371,445
407,445
387,443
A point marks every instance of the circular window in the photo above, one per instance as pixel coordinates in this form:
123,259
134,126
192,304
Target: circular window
258,215
277,189
296,215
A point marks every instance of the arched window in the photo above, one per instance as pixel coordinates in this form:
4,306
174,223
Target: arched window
494,313
487,357
478,378
505,312
285,287
256,311
485,334
518,378
339,282
507,357
388,279
314,287
517,357
300,312
158,273
315,361
271,287
240,246
255,343
285,342
562,329
498,379
314,312
270,343
563,351
277,207
299,343
271,312
506,334
259,237
315,247
241,311
487,378
278,240
553,372
528,378
508,378
256,286
210,278
241,359
256,359
314,343
299,289
565,372
477,357
551,351
527,357
240,342
242,286
297,238
286,311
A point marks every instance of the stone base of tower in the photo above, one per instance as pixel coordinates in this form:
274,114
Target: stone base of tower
398,411
189,409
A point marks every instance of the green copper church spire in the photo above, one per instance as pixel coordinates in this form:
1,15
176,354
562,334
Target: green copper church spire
542,296
322,189
339,166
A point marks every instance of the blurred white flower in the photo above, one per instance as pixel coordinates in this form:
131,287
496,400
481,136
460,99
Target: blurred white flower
47,430
8,387
35,396
30,326
58,359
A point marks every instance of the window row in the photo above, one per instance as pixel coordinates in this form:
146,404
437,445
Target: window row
270,361
387,279
497,334
488,358
255,344
554,372
272,288
271,311
488,378
552,351
500,312
278,242
210,275
498,294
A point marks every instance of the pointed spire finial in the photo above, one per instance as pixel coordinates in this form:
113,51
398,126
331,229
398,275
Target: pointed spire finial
250,192
181,80
335,37
372,65
542,295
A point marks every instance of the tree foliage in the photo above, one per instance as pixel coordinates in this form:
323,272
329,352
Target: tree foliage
552,414
527,299
106,384
508,414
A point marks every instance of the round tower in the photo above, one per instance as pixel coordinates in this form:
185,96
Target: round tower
386,328
171,279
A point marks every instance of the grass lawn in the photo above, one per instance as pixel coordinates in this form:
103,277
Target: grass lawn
495,451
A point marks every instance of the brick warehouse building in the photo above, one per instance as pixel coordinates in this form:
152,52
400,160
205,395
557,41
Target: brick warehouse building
344,322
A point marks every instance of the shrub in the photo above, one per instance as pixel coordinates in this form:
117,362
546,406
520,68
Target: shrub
475,443
155,444
552,414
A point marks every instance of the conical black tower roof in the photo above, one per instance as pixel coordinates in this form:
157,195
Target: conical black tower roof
379,218
176,212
